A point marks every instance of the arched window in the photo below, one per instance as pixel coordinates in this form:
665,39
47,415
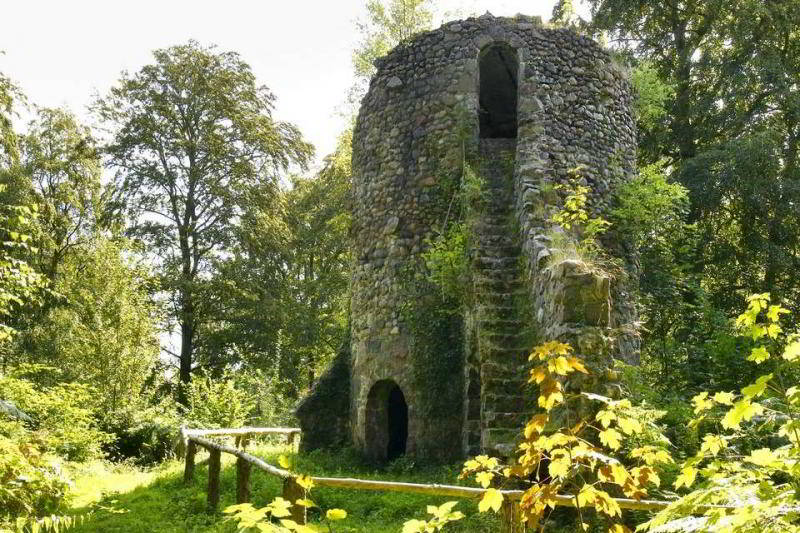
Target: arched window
499,73
386,421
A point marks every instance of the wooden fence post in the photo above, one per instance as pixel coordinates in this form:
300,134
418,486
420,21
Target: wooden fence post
188,469
293,492
511,517
213,477
290,440
242,481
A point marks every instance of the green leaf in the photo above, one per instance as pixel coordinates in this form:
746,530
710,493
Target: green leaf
757,389
758,354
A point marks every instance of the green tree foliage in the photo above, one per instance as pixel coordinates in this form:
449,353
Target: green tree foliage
280,302
730,131
718,113
61,173
194,143
387,24
102,332
20,283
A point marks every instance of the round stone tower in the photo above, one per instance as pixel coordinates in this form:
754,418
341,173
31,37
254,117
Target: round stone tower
526,108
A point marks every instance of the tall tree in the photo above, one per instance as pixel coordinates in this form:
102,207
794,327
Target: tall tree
193,141
726,75
733,124
62,172
388,22
280,303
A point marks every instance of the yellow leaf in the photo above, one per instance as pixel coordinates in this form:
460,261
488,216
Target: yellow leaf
471,465
538,374
742,410
702,403
619,474
487,462
414,526
484,478
559,365
774,312
792,351
686,477
605,417
586,496
629,426
611,438
305,481
284,462
305,502
724,398
536,425
763,457
757,389
712,444
577,364
492,499
606,504
279,508
644,475
559,468
336,514
550,394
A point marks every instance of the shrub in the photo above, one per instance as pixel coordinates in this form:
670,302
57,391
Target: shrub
145,433
31,485
215,403
62,416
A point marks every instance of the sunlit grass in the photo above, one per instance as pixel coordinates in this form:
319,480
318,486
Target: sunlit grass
127,499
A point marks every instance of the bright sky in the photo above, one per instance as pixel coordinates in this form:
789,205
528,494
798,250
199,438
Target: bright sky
60,52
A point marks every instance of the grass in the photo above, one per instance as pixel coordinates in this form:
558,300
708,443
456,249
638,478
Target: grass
126,499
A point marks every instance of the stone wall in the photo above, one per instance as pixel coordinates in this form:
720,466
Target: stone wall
417,127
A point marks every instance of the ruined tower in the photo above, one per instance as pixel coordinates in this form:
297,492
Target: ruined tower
521,106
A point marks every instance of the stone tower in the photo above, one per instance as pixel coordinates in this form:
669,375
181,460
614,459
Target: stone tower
523,106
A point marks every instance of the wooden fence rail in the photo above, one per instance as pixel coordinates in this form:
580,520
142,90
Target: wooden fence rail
292,491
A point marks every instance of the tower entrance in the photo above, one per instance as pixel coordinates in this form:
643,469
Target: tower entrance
499,73
386,421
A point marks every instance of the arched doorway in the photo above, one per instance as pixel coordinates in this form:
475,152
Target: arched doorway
386,421
499,73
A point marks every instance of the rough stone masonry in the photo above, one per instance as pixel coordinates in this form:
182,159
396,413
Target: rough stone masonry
525,106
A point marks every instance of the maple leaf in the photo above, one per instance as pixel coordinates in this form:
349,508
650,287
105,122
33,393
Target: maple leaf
611,438
763,457
536,425
757,389
724,398
792,351
484,478
712,444
759,354
492,499
629,426
742,410
686,477
605,417
336,514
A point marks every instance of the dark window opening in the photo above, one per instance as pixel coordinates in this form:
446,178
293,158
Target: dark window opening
499,70
386,422
398,424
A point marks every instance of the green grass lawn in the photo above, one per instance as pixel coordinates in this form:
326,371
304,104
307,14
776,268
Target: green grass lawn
125,499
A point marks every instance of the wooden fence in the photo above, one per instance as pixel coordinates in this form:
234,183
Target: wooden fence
292,491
